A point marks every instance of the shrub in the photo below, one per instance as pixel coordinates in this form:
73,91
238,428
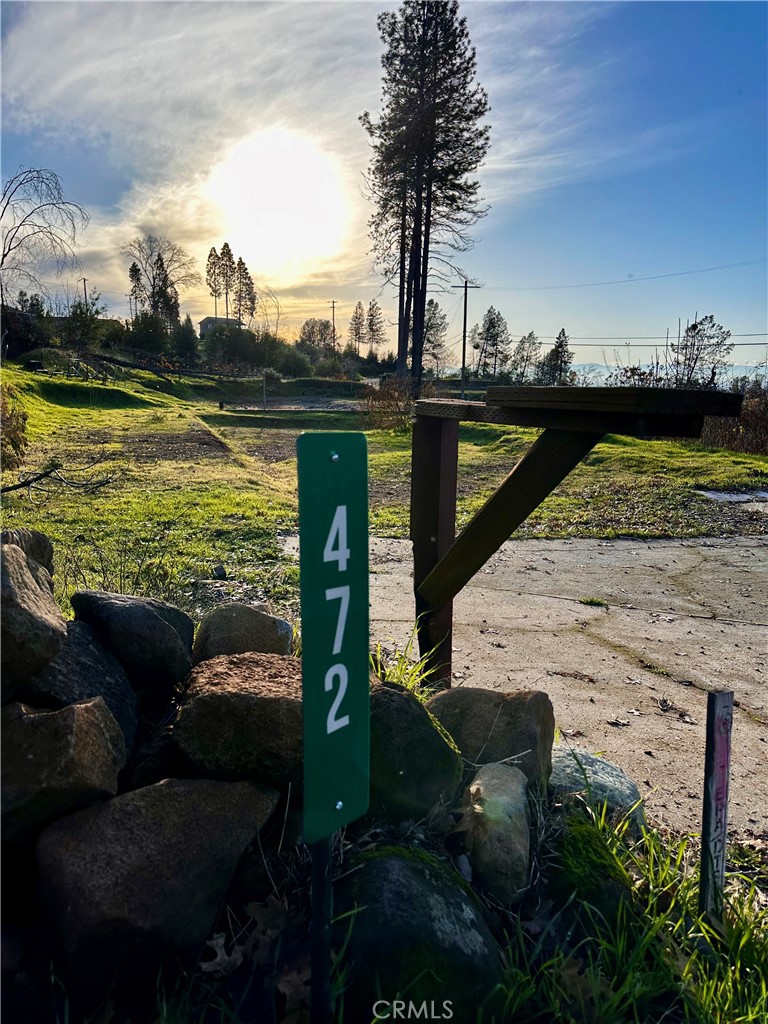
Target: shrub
747,433
13,427
295,364
390,406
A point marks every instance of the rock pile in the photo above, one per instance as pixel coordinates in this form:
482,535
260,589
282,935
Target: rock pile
152,770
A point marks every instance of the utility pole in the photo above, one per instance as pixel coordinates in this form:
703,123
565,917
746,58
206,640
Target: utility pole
332,304
465,286
85,293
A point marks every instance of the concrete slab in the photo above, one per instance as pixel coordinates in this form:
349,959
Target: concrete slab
627,676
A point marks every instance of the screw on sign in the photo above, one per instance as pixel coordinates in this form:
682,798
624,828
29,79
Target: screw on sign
333,562
333,546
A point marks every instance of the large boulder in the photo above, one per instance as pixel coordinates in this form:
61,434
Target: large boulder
33,628
55,762
489,726
82,669
144,873
241,718
499,839
597,781
416,934
34,544
414,764
237,628
151,639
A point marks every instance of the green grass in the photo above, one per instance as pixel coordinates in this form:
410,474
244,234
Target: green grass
405,668
285,420
625,487
167,519
194,485
657,958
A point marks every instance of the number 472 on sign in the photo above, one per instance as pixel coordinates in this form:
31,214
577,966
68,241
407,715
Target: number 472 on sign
333,561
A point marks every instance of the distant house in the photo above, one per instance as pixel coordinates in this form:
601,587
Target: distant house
210,322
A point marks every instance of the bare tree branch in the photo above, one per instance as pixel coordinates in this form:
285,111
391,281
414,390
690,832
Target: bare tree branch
38,227
174,271
56,475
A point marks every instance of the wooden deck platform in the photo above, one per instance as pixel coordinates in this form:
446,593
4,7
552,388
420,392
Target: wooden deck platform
574,421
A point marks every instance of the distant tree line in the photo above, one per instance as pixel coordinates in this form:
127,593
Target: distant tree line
39,228
491,354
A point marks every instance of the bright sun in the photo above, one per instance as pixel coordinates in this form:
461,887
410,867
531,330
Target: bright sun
281,202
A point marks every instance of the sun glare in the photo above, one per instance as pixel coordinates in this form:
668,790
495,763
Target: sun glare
281,202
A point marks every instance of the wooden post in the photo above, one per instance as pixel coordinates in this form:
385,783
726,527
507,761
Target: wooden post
550,460
434,459
714,830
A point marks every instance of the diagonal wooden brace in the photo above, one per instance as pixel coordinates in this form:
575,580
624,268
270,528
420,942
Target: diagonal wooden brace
551,458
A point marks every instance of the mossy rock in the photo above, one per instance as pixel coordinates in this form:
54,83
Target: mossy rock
413,931
590,872
414,762
421,856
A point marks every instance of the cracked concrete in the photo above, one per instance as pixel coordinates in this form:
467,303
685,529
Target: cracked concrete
667,621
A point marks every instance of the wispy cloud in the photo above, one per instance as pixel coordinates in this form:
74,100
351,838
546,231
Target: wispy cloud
169,84
163,90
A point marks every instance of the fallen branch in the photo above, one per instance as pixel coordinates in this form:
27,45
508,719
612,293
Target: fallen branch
55,473
28,482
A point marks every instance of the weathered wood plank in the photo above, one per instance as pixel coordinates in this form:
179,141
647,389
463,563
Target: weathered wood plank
714,832
660,401
630,424
547,462
434,459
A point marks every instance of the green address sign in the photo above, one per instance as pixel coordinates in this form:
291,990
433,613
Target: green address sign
333,560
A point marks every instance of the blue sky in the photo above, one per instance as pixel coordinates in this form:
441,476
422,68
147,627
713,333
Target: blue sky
628,141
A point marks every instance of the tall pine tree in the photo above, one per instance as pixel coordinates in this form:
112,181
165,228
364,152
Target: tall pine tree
184,341
374,322
525,359
494,337
555,366
227,269
427,143
213,278
243,293
164,296
357,328
435,332
137,296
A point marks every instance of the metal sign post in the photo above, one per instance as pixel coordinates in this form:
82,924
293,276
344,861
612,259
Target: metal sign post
714,831
333,562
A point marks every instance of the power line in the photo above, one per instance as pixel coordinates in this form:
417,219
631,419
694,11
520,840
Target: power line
638,337
653,337
592,344
621,280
